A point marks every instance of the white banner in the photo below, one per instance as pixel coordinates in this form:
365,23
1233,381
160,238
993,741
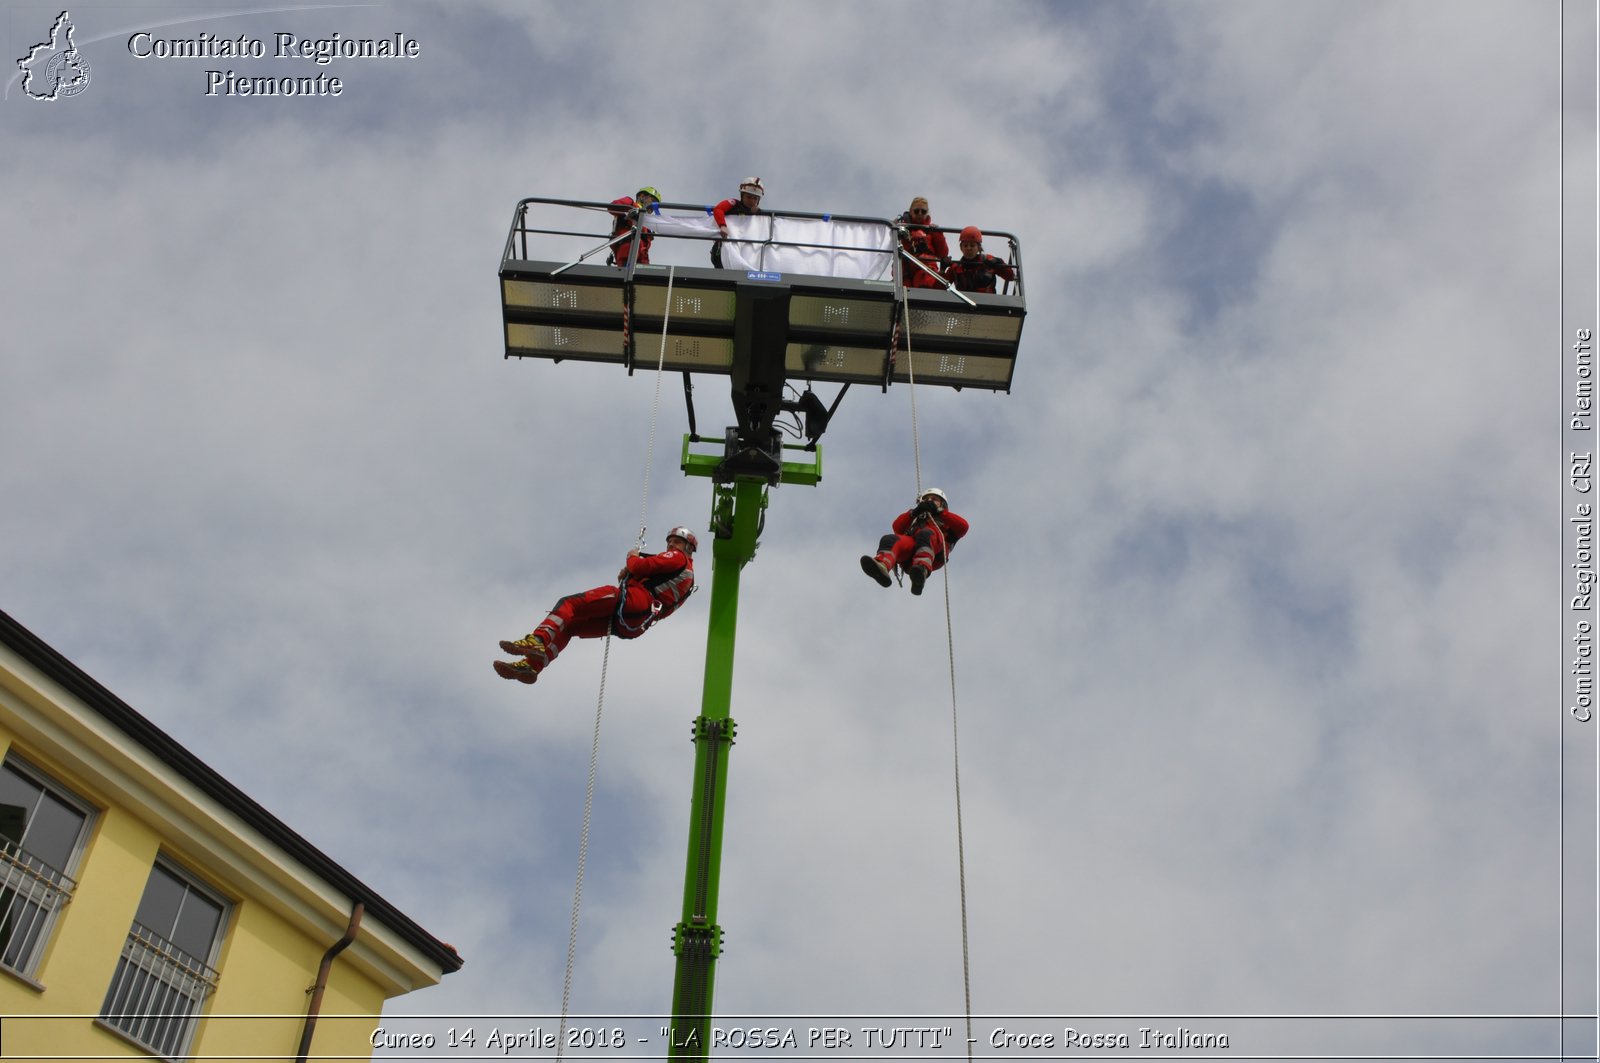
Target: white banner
761,242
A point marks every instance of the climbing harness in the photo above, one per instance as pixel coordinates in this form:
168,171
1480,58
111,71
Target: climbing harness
635,630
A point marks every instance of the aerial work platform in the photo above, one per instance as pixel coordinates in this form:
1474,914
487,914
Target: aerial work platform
798,327
806,299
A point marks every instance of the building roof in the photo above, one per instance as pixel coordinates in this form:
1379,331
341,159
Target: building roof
139,729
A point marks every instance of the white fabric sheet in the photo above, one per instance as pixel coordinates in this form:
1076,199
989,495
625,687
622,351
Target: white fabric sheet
861,250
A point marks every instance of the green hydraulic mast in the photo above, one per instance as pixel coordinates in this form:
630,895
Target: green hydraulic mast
697,939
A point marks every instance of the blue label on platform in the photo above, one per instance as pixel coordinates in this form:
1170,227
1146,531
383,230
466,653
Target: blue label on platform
753,275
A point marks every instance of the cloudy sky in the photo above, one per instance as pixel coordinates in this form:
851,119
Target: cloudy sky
1257,635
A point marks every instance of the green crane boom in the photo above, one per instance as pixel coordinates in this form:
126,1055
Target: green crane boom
697,939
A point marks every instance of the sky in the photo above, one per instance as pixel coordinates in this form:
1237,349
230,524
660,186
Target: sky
1257,639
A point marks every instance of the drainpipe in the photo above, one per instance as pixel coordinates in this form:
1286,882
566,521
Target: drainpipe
321,985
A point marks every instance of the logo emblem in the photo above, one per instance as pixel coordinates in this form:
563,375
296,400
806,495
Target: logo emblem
55,69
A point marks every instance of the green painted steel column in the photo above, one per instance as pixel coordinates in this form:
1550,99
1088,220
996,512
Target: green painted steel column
697,939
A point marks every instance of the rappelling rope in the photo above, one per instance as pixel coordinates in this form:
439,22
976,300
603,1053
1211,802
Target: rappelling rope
600,701
655,407
911,379
950,642
583,849
961,848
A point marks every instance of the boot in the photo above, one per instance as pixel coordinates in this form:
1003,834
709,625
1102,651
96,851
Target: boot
919,576
530,646
522,671
876,569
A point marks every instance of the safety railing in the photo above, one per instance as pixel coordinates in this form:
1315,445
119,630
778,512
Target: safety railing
682,234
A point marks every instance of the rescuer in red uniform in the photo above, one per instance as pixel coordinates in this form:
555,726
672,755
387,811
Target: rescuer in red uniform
922,540
651,588
975,271
924,242
749,202
627,209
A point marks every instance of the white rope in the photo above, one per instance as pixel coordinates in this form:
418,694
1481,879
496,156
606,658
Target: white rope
583,850
911,380
950,641
655,408
600,702
961,847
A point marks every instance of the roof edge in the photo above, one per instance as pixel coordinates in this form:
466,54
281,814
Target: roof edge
130,722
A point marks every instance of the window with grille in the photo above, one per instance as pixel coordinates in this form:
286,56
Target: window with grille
42,828
164,974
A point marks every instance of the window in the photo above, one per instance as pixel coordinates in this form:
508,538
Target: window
42,828
165,974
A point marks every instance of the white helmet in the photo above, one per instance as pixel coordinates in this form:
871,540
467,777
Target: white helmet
753,186
687,536
934,492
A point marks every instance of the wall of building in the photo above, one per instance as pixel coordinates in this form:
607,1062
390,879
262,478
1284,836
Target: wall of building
266,966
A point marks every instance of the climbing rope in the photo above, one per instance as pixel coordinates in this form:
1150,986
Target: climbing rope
655,407
600,701
583,850
961,848
911,380
950,642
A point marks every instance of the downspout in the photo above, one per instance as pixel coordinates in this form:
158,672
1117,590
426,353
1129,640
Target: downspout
321,985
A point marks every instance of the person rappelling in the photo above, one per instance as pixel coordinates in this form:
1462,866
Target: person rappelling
650,588
921,542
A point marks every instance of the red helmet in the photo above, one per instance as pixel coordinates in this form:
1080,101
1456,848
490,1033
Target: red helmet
687,536
973,233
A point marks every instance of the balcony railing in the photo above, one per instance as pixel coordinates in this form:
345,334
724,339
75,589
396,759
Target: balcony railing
31,892
157,992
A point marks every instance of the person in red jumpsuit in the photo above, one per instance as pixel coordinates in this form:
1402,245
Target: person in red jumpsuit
626,209
924,242
975,271
749,202
921,542
651,588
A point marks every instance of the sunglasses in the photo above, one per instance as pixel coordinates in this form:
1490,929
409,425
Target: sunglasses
919,210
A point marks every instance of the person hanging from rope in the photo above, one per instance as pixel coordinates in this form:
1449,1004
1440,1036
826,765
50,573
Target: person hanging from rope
627,210
921,542
924,242
650,588
749,202
975,271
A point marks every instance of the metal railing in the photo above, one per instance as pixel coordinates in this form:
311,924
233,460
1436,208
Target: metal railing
558,235
156,993
31,892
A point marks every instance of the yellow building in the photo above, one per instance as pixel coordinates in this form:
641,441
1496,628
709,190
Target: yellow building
148,908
